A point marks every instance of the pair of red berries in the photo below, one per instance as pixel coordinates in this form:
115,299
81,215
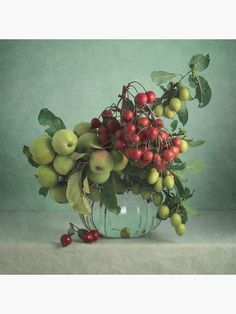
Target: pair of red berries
85,235
142,99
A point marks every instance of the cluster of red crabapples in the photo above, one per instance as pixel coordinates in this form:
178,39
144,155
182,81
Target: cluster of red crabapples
137,133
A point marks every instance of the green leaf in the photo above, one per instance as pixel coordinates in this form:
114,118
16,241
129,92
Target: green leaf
27,153
181,174
179,185
86,188
108,195
196,143
43,191
75,196
179,166
202,89
184,216
199,62
77,156
183,114
46,117
177,160
194,166
190,210
174,124
161,77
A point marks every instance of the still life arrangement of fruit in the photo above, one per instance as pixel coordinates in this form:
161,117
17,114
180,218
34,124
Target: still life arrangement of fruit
127,149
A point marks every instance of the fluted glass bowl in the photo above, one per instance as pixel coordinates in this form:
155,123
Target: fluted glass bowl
136,218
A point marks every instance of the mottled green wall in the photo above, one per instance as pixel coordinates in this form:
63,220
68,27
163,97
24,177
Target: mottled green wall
76,79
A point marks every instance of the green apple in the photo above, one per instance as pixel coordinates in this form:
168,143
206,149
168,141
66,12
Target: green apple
64,142
169,182
180,229
157,198
163,211
101,161
183,147
170,114
158,111
58,194
136,188
152,176
175,104
175,219
42,151
158,186
84,141
119,160
146,194
184,93
120,189
46,176
63,164
82,128
98,178
95,194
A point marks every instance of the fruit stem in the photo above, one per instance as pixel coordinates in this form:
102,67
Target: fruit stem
183,76
137,83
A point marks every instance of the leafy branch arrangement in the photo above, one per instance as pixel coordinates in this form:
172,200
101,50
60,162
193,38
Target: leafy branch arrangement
127,149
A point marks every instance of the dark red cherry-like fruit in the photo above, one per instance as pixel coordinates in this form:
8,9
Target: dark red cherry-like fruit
141,99
66,240
151,97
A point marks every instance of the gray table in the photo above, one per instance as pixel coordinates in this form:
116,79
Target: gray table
29,245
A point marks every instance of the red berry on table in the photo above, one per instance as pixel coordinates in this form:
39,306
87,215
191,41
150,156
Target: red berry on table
158,123
119,134
66,240
168,155
163,135
175,150
95,234
151,132
107,113
176,141
136,153
147,155
88,237
120,144
141,99
95,123
127,115
143,122
135,138
129,128
151,97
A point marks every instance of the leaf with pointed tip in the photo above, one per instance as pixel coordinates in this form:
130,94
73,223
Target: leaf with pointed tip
27,153
196,143
86,188
46,117
174,124
199,62
43,191
183,114
77,156
190,210
178,184
194,166
161,77
108,195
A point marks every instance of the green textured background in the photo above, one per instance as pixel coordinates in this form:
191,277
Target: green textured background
77,79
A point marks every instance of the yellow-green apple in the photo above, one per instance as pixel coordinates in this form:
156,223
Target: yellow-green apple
98,178
158,186
152,176
175,219
58,194
82,128
145,193
175,104
180,229
136,188
184,93
42,151
157,198
158,111
84,141
169,182
64,142
120,160
164,211
183,147
101,161
63,164
46,176
170,114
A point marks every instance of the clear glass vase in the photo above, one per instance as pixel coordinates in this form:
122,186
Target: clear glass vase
136,218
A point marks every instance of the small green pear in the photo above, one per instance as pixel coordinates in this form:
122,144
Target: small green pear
183,147
184,93
46,176
157,198
64,142
158,186
168,113
98,178
180,229
158,111
101,161
175,219
175,104
152,176
136,188
119,160
63,164
42,150
169,182
84,141
146,194
58,194
163,211
82,128
95,194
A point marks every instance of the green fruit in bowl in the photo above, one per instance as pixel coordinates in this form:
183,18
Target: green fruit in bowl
82,128
145,193
164,211
169,182
157,199
63,164
175,104
95,194
152,176
98,178
85,140
180,229
47,176
58,194
42,150
184,93
124,233
183,147
158,186
64,142
101,161
136,188
119,160
170,114
175,219
158,111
